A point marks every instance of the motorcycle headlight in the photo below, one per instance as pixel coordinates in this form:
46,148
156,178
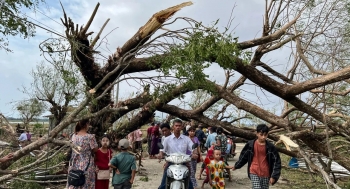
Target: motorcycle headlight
170,173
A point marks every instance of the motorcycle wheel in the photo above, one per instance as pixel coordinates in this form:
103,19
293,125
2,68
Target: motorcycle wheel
187,182
167,183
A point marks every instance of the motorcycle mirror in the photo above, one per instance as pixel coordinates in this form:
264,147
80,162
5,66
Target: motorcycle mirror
160,145
194,146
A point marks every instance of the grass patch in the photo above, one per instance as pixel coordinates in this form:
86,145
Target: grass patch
144,179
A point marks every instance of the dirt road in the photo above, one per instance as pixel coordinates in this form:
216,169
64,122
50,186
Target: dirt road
154,172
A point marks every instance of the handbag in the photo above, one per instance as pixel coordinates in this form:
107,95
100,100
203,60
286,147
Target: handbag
77,177
199,159
198,152
104,174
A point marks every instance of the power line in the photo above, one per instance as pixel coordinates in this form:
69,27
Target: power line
54,32
49,17
2,2
42,24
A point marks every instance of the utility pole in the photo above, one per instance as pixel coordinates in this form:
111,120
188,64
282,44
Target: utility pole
2,2
116,99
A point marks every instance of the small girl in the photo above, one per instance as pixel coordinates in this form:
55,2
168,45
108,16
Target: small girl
216,170
102,157
207,160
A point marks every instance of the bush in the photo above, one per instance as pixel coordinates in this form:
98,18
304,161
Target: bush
38,128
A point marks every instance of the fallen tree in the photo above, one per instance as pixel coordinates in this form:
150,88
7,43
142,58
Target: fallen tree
181,65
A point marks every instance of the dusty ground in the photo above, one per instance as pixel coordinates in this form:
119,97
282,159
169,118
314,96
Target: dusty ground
154,172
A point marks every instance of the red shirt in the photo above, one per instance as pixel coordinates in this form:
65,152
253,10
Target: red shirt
102,159
155,130
149,131
259,165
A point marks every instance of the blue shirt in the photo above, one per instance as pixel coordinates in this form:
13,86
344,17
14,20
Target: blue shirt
210,140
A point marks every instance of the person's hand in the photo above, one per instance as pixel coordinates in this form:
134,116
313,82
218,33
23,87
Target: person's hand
97,169
117,172
272,180
194,156
233,168
159,156
131,181
165,165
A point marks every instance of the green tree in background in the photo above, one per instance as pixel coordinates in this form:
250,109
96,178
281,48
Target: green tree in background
30,109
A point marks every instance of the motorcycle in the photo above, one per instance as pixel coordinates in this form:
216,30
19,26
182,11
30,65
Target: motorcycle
177,174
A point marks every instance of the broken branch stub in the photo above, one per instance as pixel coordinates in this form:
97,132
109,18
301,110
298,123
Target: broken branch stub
153,24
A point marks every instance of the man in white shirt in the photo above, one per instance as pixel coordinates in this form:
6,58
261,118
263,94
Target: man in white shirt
23,138
175,143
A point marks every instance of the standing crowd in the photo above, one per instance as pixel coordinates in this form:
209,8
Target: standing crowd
92,165
264,164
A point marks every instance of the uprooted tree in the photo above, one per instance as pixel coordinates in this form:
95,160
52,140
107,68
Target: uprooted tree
314,88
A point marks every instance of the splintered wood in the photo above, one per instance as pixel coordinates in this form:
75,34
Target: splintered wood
159,18
287,142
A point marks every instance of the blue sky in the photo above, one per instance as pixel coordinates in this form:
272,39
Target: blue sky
127,16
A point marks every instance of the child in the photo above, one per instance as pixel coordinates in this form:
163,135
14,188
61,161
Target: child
264,162
216,170
207,160
124,167
102,157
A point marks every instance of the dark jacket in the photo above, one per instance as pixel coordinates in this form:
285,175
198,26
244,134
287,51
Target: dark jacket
200,135
273,159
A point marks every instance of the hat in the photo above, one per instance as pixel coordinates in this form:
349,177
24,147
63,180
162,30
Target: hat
123,144
187,127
